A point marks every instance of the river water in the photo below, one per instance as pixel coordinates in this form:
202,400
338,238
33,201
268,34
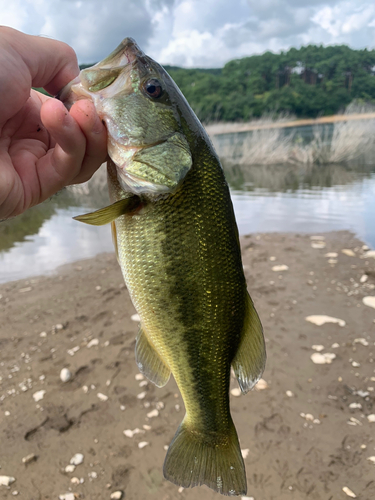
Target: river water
283,198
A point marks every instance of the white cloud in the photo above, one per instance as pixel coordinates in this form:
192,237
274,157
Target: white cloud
194,32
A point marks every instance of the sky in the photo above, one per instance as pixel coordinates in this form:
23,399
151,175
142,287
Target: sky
194,33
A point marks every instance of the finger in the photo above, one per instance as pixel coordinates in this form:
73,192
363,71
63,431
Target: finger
52,64
84,113
63,162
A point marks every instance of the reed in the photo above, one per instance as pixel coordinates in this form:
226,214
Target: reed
340,142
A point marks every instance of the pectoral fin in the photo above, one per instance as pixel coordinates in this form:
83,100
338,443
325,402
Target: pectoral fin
149,362
249,361
108,214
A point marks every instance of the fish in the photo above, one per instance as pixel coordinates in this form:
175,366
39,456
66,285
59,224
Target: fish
177,243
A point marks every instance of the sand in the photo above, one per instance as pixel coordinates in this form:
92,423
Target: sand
80,319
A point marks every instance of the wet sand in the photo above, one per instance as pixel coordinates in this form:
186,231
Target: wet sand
80,319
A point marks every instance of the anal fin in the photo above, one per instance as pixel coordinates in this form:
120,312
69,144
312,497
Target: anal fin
250,359
149,362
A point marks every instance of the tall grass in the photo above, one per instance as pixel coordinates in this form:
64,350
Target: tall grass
340,142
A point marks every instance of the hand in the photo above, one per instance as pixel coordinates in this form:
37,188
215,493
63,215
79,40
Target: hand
43,147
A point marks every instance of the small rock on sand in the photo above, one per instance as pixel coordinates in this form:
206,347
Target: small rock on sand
236,392
369,301
281,267
320,320
6,480
349,492
116,495
322,359
65,375
348,252
77,459
38,395
29,458
261,385
371,418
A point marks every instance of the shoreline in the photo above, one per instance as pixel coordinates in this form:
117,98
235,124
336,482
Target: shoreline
305,435
230,128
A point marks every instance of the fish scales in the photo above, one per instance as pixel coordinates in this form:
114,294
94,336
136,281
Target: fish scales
177,244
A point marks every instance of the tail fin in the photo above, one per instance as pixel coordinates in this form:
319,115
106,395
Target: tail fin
194,459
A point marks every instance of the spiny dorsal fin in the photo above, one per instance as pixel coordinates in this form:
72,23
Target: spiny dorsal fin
250,359
110,213
149,362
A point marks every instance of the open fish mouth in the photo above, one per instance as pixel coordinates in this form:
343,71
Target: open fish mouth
105,78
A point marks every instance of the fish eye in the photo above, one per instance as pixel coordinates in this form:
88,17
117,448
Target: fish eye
153,88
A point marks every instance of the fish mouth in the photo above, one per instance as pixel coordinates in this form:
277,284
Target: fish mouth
114,65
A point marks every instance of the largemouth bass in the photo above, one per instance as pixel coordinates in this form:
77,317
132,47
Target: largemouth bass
177,244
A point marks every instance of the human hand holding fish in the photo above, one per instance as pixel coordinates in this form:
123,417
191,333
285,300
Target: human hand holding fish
43,148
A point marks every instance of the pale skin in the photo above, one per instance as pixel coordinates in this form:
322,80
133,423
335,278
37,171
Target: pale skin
43,147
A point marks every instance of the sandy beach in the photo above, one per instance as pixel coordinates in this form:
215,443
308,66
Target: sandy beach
307,431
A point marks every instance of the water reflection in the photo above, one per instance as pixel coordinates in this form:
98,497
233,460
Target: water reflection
304,198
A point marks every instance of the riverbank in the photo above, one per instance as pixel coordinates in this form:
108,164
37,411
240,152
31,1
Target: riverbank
307,434
265,124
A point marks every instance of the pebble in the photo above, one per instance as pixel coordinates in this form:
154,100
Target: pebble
369,301
261,385
281,267
6,480
153,413
92,343
361,341
317,238
355,406
335,345
43,334
77,459
372,459
245,453
74,480
135,317
29,458
355,364
139,376
247,498
15,493
322,359
116,495
67,496
317,347
141,395
331,255
371,418
38,395
348,252
318,245
142,444
70,468
129,433
363,278
236,392
370,253
349,492
289,394
26,289
102,397
322,319
65,375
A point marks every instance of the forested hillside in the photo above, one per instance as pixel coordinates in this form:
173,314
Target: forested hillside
307,82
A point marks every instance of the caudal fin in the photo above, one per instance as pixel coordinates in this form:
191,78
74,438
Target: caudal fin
194,459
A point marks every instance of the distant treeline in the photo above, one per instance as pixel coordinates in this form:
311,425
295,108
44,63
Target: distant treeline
307,82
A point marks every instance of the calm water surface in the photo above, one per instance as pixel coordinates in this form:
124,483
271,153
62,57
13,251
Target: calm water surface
312,199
